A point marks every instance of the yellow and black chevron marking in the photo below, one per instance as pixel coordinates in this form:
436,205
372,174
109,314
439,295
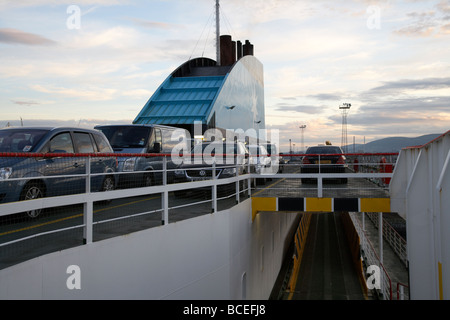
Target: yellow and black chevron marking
300,240
321,204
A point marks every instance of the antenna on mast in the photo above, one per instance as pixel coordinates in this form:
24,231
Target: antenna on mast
218,32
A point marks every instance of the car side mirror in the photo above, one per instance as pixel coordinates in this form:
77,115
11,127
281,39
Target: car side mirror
156,147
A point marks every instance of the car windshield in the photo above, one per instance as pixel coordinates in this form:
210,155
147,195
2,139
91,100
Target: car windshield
324,150
253,149
271,149
20,140
126,136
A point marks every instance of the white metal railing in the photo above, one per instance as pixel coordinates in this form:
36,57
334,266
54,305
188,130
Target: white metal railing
87,199
372,258
392,237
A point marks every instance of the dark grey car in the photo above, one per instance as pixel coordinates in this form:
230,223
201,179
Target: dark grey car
30,156
232,158
324,159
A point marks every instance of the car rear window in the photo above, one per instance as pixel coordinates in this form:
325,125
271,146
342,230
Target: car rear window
324,150
20,140
126,136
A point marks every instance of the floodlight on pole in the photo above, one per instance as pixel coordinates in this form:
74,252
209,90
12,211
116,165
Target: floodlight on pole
303,127
345,108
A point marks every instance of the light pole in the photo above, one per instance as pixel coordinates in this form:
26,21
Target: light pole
345,108
303,127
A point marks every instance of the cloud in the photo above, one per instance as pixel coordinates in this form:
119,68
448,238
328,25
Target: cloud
39,3
426,105
418,101
426,23
326,96
15,36
446,28
152,24
308,109
416,84
82,122
443,6
117,37
24,103
91,94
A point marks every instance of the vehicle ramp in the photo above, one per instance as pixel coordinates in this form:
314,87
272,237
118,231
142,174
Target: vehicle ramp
326,264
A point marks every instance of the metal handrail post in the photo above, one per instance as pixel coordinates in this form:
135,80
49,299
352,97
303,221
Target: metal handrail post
165,195
214,188
319,165
238,182
249,179
319,187
380,245
88,207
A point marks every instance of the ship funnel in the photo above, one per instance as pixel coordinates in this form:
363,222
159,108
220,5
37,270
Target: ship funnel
231,51
248,49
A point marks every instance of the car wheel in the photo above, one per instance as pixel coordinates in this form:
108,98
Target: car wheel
148,180
108,184
31,191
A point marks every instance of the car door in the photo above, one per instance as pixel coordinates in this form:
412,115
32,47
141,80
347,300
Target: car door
68,167
156,146
84,143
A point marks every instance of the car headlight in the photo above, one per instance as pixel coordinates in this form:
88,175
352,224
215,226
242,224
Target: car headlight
229,171
5,173
129,164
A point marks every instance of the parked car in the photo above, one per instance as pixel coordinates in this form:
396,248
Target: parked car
260,159
37,170
277,162
326,158
229,158
145,139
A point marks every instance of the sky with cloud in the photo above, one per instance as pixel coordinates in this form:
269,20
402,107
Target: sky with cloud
87,62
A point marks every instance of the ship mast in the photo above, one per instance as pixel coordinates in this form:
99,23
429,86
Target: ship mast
218,32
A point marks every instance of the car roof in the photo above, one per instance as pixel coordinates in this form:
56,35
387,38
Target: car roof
29,128
324,146
49,128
